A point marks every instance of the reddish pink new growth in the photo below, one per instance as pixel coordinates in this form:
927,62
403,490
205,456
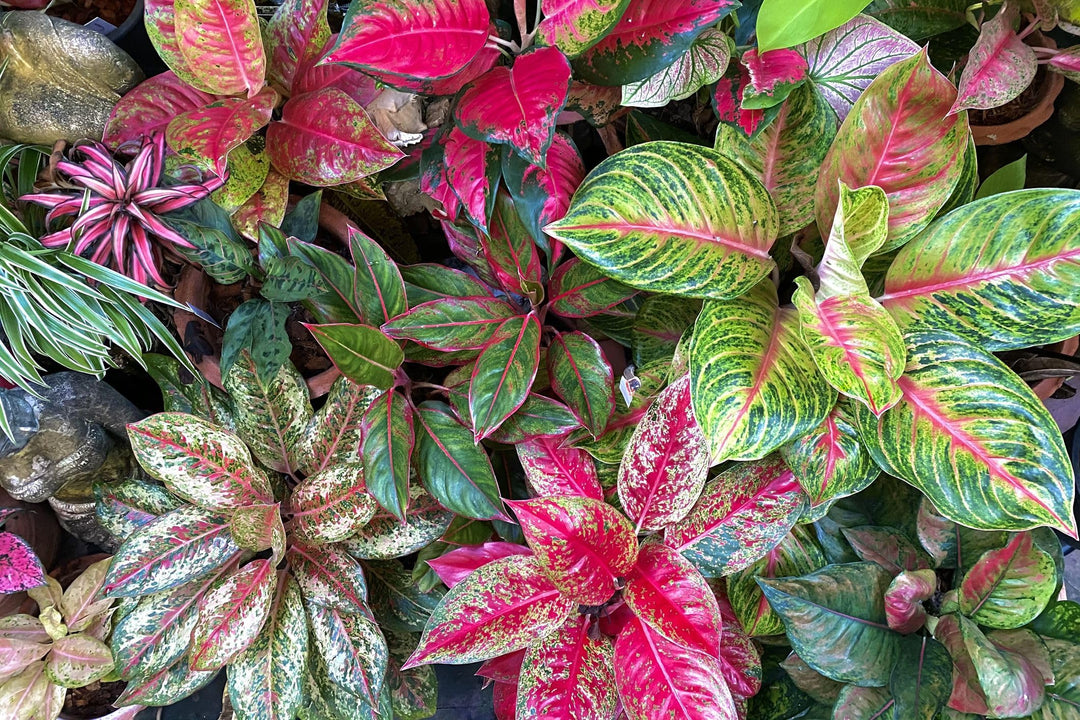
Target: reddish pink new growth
773,68
122,204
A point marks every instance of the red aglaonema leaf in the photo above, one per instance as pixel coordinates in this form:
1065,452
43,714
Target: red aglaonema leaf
222,44
583,545
664,467
999,67
208,133
231,615
502,607
504,700
739,656
419,39
150,107
1008,587
518,105
159,17
741,515
658,678
310,76
503,669
332,504
568,675
551,469
574,26
472,171
456,565
668,593
578,289
728,98
773,75
903,600
325,138
267,205
480,64
510,251
583,378
504,373
296,35
20,568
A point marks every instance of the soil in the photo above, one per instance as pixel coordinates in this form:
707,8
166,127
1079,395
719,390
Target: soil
92,701
81,12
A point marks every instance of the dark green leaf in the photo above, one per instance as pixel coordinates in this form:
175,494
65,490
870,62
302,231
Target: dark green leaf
362,353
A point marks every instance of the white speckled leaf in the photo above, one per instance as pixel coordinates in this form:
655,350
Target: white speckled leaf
332,504
231,615
328,576
78,660
333,434
353,648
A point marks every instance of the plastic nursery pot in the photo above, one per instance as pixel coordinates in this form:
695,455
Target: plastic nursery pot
1046,388
120,15
1035,106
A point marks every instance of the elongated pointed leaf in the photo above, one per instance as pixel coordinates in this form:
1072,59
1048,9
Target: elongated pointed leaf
295,37
1000,288
472,172
753,382
353,649
578,289
208,134
231,615
452,467
898,138
704,63
396,601
1063,696
583,378
783,23
456,565
504,373
1008,588
422,39
583,545
1011,474
151,106
20,568
904,598
387,537
166,686
510,252
740,658
332,504
835,619
334,433
659,678
574,26
221,44
664,468
671,217
388,443
886,546
362,353
740,516
649,36
380,291
551,469
542,194
329,576
451,324
569,674
660,325
999,67
831,461
538,416
502,607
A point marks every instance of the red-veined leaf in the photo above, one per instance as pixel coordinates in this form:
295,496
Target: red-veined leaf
951,545
831,461
353,648
362,353
335,432
904,599
387,537
160,22
451,324
510,252
504,373
1009,587
574,26
222,45
20,568
579,290
150,107
389,439
581,375
456,565
295,36
999,67
538,416
328,576
332,504
208,133
311,76
231,615
472,172
23,640
551,469
483,61
258,528
568,675
377,285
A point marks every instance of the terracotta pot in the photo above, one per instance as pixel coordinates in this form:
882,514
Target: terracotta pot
1051,86
1046,388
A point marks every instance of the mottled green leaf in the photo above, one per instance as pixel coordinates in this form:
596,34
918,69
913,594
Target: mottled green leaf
831,460
165,687
578,289
336,303
386,536
388,441
414,692
362,353
396,602
181,391
922,679
582,376
328,576
78,660
257,328
334,433
353,648
952,545
332,504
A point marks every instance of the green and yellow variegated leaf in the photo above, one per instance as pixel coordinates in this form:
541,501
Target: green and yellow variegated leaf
1008,587
675,218
179,546
753,381
265,681
1002,271
124,507
704,63
259,527
231,615
271,412
197,397
332,504
414,692
198,461
574,27
386,537
328,576
352,647
395,600
334,433
831,460
78,660
165,686
973,438
787,155
659,325
1063,697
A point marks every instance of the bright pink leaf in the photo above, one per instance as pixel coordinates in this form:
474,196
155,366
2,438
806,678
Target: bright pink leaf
222,44
904,598
568,676
551,469
518,105
728,98
295,36
325,138
773,75
311,76
502,669
210,132
480,64
420,39
20,568
582,544
504,700
150,107
456,565
1067,62
1000,66
472,171
574,26
739,656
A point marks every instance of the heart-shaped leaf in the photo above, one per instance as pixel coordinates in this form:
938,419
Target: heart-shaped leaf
835,619
503,373
752,379
389,439
831,461
362,353
377,284
456,565
150,107
583,545
221,45
421,39
1011,474
451,324
353,648
904,598
502,607
295,36
648,37
999,67
332,504
581,375
574,26
1000,287
898,138
328,576
231,615
1009,587
675,218
517,106
209,133
741,515
664,468
551,469
387,537
325,138
704,63
20,568
569,674
579,290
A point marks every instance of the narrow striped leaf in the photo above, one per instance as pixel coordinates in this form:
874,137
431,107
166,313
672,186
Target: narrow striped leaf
353,648
574,26
577,289
675,218
329,576
387,537
362,353
569,674
379,289
452,467
1009,474
898,138
753,381
831,461
332,504
1002,267
231,615
581,375
551,469
388,442
1009,587
702,64
504,373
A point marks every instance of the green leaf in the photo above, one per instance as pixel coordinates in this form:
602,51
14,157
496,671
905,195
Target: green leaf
336,303
952,545
379,289
395,600
1061,620
1005,266
452,467
452,324
922,679
786,23
753,381
183,391
414,693
362,353
1063,697
225,259
831,461
257,327
1011,176
1010,473
581,375
659,325
288,279
864,703
388,441
503,374
675,218
258,528
578,289
1009,587
920,19
428,281
835,619
352,647
302,222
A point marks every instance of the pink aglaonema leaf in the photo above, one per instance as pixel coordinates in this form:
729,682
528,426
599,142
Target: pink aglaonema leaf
518,105
903,600
551,469
151,106
210,132
20,568
325,138
503,669
296,35
502,607
728,98
221,42
418,39
510,251
1067,62
583,545
456,565
1000,65
574,26
159,16
568,674
231,615
739,656
658,678
664,467
472,171
667,593
1008,587
311,75
480,64
773,75
328,576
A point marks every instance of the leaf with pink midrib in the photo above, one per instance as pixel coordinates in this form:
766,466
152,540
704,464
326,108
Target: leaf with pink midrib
551,469
456,565
999,67
295,35
568,675
222,44
20,568
210,132
151,106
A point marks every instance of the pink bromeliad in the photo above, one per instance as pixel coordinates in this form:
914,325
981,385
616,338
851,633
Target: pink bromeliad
117,207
